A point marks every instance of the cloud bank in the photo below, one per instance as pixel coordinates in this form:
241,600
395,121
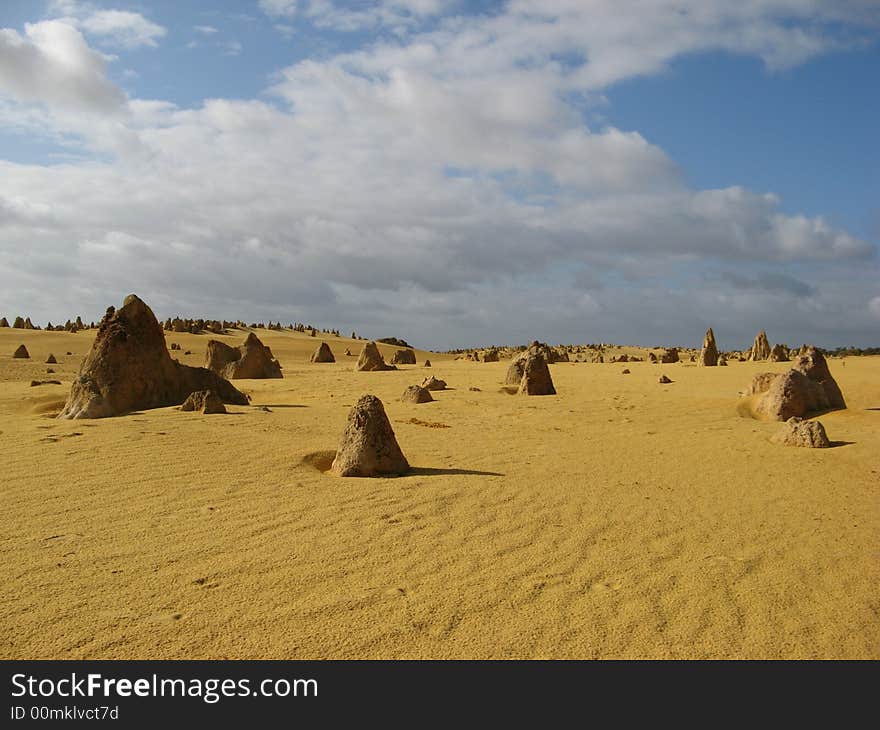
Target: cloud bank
450,184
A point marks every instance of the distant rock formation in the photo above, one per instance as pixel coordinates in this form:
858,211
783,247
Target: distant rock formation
722,361
779,353
427,363
18,324
322,354
709,352
368,447
403,357
515,371
252,359
805,389
347,353
206,401
371,359
761,348
669,355
21,353
4,322
129,368
536,378
663,379
490,355
798,432
416,394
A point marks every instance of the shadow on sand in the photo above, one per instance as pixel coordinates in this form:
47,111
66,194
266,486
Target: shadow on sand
424,471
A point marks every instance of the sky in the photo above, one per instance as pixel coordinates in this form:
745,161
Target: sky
451,172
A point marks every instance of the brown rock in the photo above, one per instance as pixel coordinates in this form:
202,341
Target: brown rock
761,348
416,394
371,359
427,363
403,357
368,447
663,379
798,432
322,354
21,353
35,383
536,378
18,324
205,401
805,389
778,354
515,371
129,368
709,352
51,360
490,355
669,356
252,359
625,371
4,322
347,353
432,383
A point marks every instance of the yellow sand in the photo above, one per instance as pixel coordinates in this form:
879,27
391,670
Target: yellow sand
621,518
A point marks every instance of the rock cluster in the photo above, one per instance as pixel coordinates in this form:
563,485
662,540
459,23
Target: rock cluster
252,359
129,368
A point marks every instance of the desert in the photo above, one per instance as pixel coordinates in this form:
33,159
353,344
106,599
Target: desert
617,518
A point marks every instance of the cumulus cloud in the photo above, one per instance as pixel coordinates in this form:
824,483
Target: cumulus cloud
279,8
123,28
52,63
446,182
119,28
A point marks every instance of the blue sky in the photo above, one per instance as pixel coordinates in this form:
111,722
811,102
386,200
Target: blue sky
453,173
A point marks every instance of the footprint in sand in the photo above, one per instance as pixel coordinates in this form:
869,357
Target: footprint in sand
605,587
165,618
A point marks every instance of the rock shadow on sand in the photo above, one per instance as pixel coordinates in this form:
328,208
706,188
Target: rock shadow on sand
322,460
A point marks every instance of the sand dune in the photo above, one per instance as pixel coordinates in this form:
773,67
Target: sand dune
620,518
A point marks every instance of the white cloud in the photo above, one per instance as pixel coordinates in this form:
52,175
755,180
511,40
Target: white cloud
123,28
874,307
453,168
279,8
52,63
205,29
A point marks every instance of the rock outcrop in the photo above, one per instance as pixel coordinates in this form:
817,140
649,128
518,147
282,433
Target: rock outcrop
252,359
432,383
129,368
368,447
416,394
206,401
51,360
322,354
371,359
798,432
669,355
778,354
4,322
427,363
403,357
21,353
761,348
709,352
536,378
805,389
663,379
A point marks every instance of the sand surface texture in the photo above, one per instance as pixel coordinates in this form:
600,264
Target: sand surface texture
620,518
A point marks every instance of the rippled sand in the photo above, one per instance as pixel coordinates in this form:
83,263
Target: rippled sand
621,518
